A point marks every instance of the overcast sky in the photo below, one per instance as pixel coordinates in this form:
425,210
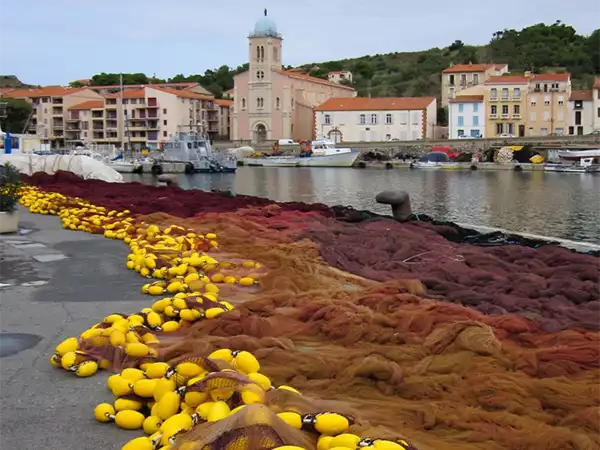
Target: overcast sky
57,41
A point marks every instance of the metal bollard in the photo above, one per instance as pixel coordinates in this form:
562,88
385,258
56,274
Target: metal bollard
399,201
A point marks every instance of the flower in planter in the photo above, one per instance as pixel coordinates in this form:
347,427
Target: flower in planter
10,182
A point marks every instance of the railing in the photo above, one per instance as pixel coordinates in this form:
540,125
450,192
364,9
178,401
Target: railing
516,97
516,116
494,99
493,116
504,116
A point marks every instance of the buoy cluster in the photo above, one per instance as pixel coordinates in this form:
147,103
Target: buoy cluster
167,400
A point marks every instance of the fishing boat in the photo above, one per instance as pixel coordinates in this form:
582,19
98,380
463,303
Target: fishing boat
576,155
319,153
435,160
194,150
584,165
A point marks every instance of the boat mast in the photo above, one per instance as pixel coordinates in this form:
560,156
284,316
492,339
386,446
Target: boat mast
126,119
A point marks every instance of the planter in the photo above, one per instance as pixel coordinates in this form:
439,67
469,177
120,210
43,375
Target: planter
9,222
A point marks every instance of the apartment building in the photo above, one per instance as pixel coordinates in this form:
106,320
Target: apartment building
355,119
224,115
49,108
506,103
340,75
581,112
596,103
548,104
459,77
466,116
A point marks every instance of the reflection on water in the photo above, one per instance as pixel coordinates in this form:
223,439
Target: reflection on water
552,204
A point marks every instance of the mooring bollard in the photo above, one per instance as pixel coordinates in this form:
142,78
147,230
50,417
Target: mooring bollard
169,180
399,201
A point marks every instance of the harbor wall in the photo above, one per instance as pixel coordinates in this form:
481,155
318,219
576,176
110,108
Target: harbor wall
419,148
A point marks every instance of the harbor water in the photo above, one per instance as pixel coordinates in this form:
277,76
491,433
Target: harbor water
564,206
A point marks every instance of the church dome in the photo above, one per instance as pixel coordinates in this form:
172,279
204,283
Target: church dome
265,27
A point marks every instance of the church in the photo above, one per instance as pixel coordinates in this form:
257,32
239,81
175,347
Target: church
270,103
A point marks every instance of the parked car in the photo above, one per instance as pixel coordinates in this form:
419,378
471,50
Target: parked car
466,136
595,133
506,135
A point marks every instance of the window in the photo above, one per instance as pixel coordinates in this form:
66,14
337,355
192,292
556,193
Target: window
494,109
373,119
546,116
388,137
258,53
388,119
415,117
327,119
164,110
504,109
532,100
461,133
516,92
571,130
561,100
560,132
475,107
260,102
516,109
277,102
475,121
531,132
164,122
164,134
404,118
544,132
579,131
461,121
475,78
243,103
504,93
260,75
532,116
577,117
363,119
461,107
46,99
511,128
598,112
475,133
547,100
499,129
494,93
451,80
463,79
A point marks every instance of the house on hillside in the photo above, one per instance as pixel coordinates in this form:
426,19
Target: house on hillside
459,77
359,119
581,112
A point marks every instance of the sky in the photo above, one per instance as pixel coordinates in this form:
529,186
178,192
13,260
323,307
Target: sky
58,41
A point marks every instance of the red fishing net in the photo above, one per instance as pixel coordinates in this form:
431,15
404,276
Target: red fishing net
451,345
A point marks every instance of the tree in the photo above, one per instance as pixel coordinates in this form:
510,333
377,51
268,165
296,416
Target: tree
456,45
442,116
17,114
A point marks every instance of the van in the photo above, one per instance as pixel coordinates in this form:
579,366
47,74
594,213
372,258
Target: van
286,142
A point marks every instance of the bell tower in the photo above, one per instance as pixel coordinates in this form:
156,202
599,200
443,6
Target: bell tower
264,49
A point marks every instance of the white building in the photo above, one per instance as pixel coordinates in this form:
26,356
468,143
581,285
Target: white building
340,75
358,119
581,112
596,103
466,116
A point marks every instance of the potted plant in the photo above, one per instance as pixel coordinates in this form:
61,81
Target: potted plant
10,182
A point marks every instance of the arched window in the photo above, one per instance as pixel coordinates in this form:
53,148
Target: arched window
243,103
277,102
258,53
260,102
262,53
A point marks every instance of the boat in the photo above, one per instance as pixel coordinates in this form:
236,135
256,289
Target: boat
435,160
319,153
576,155
194,150
584,165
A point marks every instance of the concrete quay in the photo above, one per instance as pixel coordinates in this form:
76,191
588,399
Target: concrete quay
54,284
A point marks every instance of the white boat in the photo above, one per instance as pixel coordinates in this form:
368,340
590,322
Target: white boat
576,155
322,153
584,165
435,160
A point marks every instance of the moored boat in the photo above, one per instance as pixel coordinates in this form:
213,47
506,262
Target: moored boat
195,151
435,160
584,165
321,153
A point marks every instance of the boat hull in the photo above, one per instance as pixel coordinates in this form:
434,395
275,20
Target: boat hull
576,155
559,168
346,159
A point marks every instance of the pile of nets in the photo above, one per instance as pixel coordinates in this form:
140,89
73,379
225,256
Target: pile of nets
393,333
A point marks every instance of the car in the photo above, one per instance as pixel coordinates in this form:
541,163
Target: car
507,135
466,136
594,133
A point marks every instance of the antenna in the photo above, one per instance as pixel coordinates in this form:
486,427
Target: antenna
265,12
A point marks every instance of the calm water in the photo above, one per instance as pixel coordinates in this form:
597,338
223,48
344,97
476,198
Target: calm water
551,204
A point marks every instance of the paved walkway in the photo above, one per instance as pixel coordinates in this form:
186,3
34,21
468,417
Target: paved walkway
54,284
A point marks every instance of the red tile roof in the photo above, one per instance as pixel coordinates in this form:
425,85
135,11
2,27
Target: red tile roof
91,104
301,76
181,93
581,95
223,102
50,91
129,93
375,104
140,86
510,79
463,68
6,90
597,83
551,77
467,99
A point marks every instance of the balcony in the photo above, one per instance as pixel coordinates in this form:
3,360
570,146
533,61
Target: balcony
504,116
516,116
72,128
505,98
57,126
494,98
516,98
57,111
57,100
493,116
72,118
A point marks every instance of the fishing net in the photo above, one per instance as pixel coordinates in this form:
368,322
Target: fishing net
415,334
